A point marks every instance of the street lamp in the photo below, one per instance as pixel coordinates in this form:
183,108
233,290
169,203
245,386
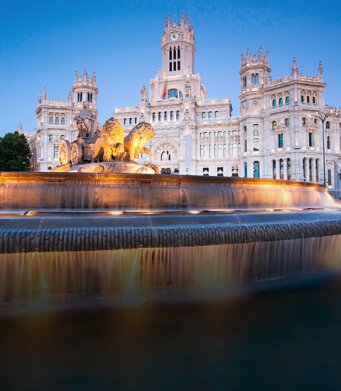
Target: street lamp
323,115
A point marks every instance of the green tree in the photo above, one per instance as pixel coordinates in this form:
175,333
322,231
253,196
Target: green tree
14,152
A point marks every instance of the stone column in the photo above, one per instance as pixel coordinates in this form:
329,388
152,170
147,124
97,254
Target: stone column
306,169
313,170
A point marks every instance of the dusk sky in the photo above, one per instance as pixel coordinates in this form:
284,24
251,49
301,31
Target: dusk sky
44,42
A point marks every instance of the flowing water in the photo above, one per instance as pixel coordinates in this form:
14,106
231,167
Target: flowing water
58,280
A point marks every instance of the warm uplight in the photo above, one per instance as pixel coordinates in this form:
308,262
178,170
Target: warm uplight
30,213
116,213
194,212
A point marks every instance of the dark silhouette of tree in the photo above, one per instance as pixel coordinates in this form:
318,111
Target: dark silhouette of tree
14,152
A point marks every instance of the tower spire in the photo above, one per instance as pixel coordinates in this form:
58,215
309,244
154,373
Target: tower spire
294,68
320,71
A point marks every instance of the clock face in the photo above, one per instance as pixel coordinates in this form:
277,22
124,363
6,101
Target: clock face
174,36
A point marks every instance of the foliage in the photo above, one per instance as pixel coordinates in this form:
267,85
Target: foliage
14,152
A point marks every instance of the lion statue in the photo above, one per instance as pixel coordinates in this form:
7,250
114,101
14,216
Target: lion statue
110,145
135,141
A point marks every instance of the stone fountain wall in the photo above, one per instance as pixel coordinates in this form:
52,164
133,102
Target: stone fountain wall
91,191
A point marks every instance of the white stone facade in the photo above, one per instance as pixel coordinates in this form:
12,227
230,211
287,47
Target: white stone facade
55,120
276,136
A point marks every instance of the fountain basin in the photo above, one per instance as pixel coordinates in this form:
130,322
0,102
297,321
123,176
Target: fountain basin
56,190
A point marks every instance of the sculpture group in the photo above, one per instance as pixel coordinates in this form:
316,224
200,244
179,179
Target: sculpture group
109,144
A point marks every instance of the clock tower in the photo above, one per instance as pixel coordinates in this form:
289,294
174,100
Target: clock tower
178,47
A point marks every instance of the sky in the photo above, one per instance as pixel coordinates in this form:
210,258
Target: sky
42,43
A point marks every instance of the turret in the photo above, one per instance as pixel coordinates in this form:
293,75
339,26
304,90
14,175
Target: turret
255,70
85,89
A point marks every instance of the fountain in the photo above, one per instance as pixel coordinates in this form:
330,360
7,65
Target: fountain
104,229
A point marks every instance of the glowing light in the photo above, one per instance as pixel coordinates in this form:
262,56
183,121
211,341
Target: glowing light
194,212
116,213
30,213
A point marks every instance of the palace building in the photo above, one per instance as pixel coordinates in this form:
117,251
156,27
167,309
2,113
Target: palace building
277,134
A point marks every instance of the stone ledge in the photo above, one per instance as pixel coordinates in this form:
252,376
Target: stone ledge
109,238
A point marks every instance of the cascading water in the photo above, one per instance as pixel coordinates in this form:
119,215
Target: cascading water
51,260
40,281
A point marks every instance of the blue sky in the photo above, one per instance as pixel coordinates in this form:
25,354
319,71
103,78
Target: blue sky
44,42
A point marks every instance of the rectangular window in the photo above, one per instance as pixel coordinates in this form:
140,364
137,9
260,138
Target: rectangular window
178,115
329,177
79,97
310,140
153,117
280,140
55,151
159,116
245,145
170,67
178,65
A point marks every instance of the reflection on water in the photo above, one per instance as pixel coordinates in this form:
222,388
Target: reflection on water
45,281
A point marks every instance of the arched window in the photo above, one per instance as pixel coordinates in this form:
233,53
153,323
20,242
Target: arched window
308,99
245,170
174,93
287,100
124,121
62,137
328,142
280,101
287,122
50,137
63,120
256,171
130,121
289,169
177,115
172,115
281,169
79,97
89,97
203,115
57,120
51,120
216,114
274,169
159,116
255,79
314,100
256,144
274,124
302,98
274,103
165,156
327,125
165,116
210,114
153,117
